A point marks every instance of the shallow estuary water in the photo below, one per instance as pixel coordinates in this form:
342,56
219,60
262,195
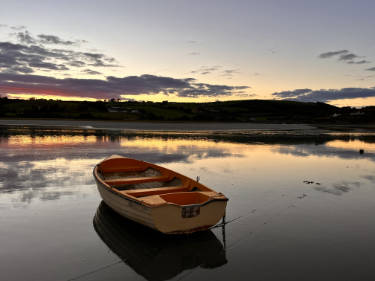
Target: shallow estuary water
301,211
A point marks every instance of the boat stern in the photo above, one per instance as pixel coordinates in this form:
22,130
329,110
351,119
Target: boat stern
187,212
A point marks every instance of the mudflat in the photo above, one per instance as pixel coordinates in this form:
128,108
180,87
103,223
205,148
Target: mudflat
156,126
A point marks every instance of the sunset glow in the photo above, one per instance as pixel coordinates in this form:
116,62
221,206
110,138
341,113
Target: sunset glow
180,52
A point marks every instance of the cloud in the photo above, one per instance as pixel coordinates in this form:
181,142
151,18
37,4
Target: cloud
18,62
201,89
359,62
92,72
343,55
98,59
17,27
77,63
371,69
308,95
244,95
32,53
230,72
204,70
17,56
194,53
218,69
27,56
25,37
111,87
21,69
348,57
294,93
332,54
52,39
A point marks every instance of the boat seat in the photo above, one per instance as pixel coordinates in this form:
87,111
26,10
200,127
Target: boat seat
154,191
123,169
153,200
123,181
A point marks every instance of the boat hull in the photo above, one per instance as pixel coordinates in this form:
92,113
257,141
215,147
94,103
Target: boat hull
157,197
167,218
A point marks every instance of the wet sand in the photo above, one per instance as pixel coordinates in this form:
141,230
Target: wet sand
233,132
156,126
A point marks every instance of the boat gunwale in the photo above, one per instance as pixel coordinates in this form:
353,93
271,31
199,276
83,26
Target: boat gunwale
139,202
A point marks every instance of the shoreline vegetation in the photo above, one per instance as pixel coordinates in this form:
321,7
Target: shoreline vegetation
242,111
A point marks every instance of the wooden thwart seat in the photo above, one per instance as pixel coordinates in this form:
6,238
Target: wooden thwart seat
124,169
154,191
123,181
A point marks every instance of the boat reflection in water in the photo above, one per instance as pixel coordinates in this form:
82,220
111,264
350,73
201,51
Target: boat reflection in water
154,255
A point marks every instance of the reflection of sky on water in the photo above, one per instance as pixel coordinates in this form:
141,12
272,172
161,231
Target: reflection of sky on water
338,188
30,165
352,145
295,203
340,149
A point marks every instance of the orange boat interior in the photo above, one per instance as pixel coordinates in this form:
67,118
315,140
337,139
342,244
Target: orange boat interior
150,183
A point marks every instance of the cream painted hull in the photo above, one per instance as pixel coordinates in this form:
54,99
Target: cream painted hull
166,218
126,207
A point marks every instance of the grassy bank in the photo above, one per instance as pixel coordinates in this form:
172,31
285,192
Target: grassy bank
260,111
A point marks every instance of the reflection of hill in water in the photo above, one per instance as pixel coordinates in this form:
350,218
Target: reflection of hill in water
153,255
287,135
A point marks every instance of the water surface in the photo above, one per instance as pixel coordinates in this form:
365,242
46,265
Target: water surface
296,211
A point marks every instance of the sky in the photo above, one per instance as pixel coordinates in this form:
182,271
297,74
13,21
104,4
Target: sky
189,51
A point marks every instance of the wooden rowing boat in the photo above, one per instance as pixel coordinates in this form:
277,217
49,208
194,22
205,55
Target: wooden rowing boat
154,255
157,197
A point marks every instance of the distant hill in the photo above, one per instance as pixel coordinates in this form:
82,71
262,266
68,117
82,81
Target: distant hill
262,111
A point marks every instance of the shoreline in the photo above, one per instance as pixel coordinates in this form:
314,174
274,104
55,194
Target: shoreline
155,126
227,132
177,126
